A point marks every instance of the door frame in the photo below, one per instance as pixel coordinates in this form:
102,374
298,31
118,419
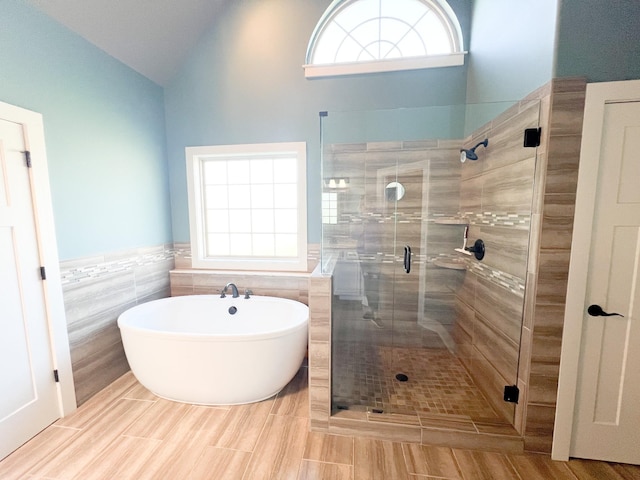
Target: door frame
597,96
48,248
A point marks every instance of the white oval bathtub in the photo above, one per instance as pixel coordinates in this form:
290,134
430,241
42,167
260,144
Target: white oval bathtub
192,349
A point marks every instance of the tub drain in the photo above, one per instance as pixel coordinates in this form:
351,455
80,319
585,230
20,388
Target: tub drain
401,377
232,310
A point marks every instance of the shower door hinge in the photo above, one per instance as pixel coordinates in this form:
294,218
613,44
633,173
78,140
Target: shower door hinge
43,273
532,137
27,158
56,377
511,393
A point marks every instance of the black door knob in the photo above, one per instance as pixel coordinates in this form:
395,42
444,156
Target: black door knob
596,311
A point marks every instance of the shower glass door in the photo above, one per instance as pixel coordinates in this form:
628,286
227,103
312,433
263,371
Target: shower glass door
412,326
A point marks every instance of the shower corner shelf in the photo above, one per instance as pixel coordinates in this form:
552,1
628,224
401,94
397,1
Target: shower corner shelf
453,263
452,220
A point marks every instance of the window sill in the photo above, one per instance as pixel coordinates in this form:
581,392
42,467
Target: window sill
357,68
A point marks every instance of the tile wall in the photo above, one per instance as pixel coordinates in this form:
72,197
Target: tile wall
495,196
188,281
450,430
435,184
99,288
96,291
372,230
550,249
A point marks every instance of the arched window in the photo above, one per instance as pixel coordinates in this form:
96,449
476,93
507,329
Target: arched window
362,36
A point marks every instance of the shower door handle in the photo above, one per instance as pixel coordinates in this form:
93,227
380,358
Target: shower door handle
407,258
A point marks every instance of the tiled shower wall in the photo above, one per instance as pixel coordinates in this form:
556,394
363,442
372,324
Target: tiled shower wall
371,231
96,291
495,196
549,253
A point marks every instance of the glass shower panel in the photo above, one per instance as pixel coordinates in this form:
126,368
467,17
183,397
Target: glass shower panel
413,328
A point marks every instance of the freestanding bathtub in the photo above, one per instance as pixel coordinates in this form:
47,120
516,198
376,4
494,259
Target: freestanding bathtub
207,350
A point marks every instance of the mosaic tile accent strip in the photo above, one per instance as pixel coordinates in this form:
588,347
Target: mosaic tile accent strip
434,144
70,273
500,219
520,220
510,282
182,252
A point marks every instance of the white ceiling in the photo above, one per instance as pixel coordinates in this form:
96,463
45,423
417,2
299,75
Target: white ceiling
151,36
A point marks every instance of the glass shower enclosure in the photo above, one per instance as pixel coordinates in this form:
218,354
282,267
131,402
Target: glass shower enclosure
400,215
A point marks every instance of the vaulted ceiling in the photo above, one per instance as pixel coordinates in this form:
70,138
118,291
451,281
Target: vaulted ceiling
152,37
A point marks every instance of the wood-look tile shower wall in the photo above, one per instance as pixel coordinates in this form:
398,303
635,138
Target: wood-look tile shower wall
488,317
549,252
495,195
378,228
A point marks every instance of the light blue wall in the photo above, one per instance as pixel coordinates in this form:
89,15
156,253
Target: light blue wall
104,130
512,48
599,40
244,83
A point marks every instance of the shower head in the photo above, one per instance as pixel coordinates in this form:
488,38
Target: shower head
470,154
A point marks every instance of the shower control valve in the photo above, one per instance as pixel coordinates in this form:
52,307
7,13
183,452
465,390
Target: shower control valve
478,249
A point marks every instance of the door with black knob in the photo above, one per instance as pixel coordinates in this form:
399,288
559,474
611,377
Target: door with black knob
606,424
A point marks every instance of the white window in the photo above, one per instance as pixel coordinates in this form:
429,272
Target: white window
248,206
362,36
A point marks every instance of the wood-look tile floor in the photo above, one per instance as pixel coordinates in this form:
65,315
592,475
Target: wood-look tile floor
125,432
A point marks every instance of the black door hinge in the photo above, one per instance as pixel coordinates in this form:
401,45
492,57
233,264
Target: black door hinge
532,137
511,393
43,273
27,158
56,377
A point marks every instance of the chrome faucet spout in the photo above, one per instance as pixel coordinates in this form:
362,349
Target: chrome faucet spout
234,290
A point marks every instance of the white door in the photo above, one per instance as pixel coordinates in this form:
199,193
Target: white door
607,414
28,394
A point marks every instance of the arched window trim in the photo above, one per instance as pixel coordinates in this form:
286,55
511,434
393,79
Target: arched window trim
443,10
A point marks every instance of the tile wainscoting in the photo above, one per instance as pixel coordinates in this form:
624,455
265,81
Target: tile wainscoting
189,281
96,291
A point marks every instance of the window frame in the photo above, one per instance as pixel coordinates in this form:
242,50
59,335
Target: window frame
195,157
455,58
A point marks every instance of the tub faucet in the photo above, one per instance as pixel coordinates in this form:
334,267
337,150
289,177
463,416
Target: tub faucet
234,290
247,293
